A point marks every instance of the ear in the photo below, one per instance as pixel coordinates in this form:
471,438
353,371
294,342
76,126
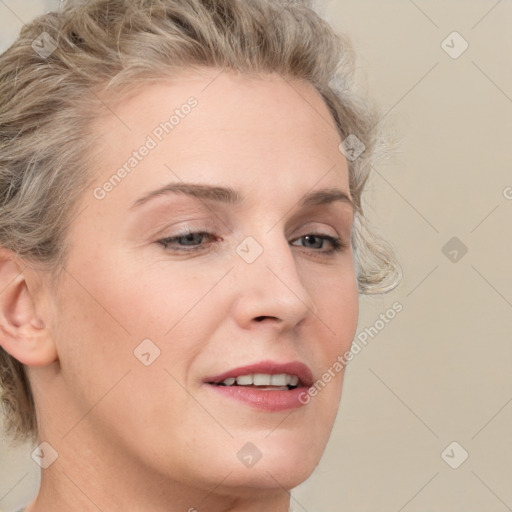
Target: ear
23,333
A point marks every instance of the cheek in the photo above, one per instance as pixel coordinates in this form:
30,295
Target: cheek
338,310
346,314
104,317
107,310
93,338
337,299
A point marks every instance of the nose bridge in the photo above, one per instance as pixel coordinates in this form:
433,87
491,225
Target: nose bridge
268,281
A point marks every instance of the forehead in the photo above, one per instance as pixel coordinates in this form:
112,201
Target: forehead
203,125
228,94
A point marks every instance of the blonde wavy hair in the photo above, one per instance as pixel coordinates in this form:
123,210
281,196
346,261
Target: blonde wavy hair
96,51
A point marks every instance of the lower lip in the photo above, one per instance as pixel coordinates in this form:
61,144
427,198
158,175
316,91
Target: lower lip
267,400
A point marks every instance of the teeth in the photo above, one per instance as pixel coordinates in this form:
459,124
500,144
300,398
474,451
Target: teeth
263,379
280,379
244,380
294,380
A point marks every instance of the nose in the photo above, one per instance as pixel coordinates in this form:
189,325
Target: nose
270,289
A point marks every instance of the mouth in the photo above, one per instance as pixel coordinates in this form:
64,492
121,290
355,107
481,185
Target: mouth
266,385
263,381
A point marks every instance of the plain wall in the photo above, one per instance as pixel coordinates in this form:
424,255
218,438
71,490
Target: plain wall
440,370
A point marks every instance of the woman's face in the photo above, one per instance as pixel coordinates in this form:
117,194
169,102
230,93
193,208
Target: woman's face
142,323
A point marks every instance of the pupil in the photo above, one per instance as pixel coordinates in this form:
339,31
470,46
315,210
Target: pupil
309,237
190,237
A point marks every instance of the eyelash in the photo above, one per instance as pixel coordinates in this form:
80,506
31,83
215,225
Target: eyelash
338,244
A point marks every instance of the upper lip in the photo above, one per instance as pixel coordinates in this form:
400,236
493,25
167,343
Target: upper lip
270,367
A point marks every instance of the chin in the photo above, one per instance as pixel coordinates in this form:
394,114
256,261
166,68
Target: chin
282,464
267,477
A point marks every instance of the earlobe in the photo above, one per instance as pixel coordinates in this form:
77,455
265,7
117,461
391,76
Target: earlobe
23,333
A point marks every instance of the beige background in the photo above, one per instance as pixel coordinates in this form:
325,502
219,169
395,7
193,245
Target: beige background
440,371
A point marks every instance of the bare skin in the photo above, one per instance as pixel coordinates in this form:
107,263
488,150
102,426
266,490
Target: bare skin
156,438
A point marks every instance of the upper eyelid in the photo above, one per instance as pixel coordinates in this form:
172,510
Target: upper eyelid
224,213
325,216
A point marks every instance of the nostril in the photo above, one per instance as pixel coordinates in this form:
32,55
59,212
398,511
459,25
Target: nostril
260,318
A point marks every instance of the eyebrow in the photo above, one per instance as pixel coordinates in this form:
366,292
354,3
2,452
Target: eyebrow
231,196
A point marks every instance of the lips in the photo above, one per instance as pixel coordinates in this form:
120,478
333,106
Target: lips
264,398
267,367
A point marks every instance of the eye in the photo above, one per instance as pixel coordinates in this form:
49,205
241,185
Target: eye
316,239
191,241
